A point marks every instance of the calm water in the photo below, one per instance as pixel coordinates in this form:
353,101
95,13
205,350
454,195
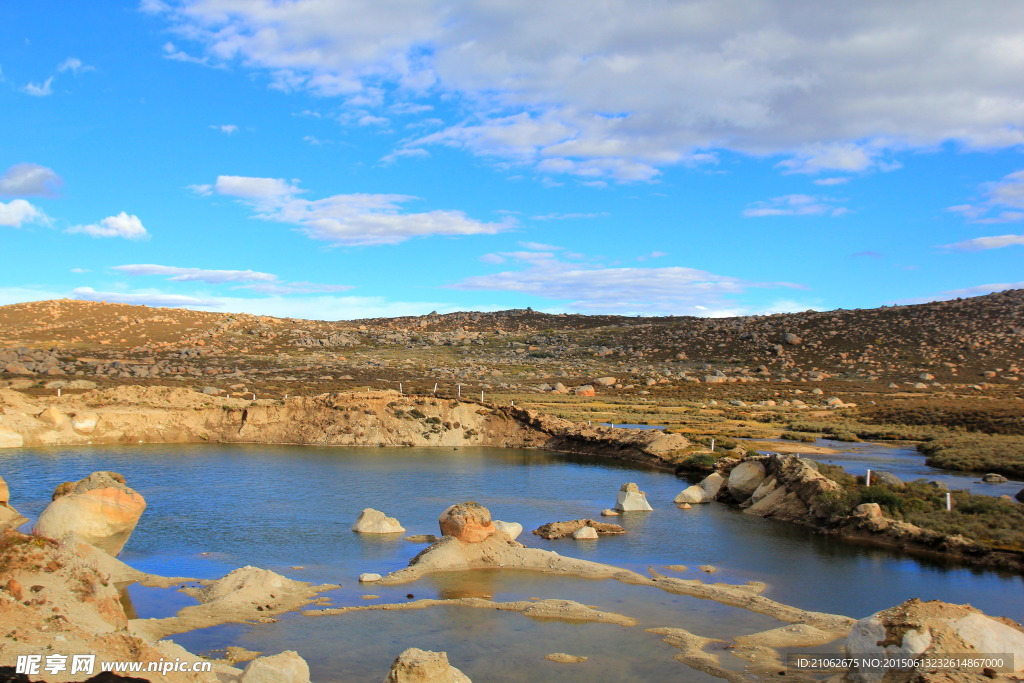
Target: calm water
212,508
907,464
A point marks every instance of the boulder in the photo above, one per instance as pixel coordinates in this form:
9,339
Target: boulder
423,666
376,522
887,478
868,510
1020,496
585,533
792,339
9,517
745,478
934,629
286,667
563,529
585,390
631,499
100,510
469,522
993,478
691,494
510,529
608,512
704,492
606,381
368,577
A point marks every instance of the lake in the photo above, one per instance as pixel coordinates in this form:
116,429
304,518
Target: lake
213,508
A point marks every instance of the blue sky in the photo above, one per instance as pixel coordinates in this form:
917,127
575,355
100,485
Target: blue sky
354,159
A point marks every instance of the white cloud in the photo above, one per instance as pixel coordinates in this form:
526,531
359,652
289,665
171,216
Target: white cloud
981,243
539,246
308,307
177,274
1003,202
149,298
795,205
227,129
18,212
39,89
346,219
44,89
976,290
27,180
599,289
619,89
264,283
831,181
569,216
122,225
79,271
260,189
72,64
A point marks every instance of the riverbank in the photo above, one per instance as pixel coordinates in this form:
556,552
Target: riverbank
133,414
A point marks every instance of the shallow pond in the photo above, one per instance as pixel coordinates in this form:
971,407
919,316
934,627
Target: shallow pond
212,508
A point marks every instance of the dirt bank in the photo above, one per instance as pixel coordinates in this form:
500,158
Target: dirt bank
135,414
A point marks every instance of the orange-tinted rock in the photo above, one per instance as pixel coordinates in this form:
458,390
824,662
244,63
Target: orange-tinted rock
468,522
100,509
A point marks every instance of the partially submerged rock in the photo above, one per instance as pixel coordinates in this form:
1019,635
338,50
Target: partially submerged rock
745,478
704,492
100,510
423,666
934,629
994,478
585,533
563,658
562,529
376,522
631,499
510,529
286,667
469,522
9,517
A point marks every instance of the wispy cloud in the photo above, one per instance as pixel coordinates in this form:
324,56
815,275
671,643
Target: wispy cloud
983,243
346,219
1002,202
263,283
795,205
45,89
29,180
593,288
227,128
976,290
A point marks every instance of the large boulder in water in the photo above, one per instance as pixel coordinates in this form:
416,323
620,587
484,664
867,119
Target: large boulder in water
934,629
100,510
704,492
1020,496
423,666
469,522
631,499
9,517
745,478
376,522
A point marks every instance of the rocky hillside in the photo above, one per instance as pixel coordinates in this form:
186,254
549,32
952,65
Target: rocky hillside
970,343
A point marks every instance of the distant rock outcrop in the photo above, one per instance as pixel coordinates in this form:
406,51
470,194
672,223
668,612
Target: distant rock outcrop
100,510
